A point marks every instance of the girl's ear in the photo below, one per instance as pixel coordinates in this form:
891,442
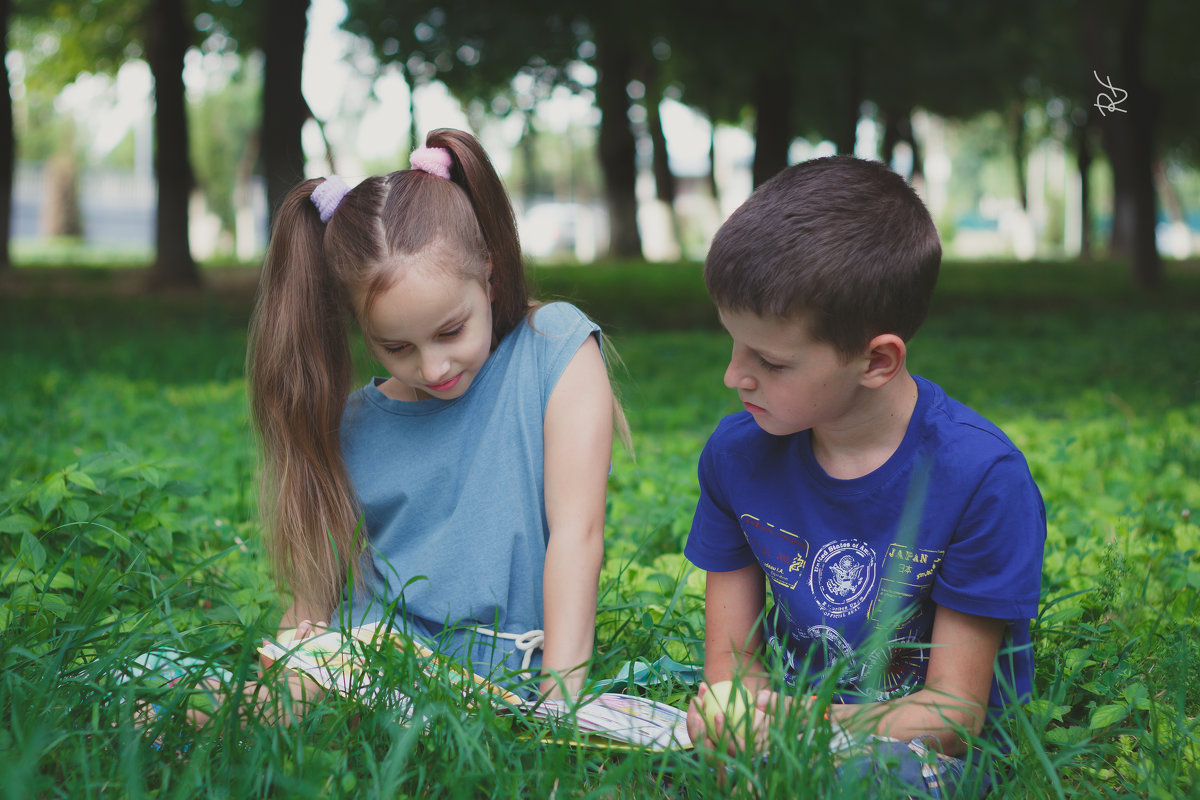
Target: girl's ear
885,360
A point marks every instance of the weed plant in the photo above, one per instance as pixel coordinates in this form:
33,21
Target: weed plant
128,523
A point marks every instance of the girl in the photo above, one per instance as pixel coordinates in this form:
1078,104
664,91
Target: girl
463,495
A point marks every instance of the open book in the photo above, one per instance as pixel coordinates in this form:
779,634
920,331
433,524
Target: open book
336,661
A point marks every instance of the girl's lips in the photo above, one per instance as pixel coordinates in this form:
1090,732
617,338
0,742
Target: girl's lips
447,386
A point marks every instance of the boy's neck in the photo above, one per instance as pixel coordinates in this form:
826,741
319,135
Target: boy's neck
863,441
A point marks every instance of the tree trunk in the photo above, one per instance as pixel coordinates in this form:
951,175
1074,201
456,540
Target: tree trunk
285,24
1083,159
1167,191
772,123
712,163
1018,149
1127,129
665,185
891,136
414,135
60,203
847,133
7,142
618,150
166,44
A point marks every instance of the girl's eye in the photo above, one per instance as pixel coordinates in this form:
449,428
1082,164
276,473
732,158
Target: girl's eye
768,366
397,349
451,334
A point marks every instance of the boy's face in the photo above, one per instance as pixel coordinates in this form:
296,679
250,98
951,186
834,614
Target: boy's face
788,381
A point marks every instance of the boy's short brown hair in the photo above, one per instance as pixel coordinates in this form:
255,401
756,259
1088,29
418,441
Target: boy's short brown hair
843,241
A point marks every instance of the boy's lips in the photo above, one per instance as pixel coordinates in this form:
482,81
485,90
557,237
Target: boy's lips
753,409
447,385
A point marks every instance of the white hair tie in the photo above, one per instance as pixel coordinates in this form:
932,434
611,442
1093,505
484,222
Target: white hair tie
327,196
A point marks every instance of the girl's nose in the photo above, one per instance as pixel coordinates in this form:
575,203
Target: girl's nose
434,367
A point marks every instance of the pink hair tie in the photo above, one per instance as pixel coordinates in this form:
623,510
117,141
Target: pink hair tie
327,196
434,160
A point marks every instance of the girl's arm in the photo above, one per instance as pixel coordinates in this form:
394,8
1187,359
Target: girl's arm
578,451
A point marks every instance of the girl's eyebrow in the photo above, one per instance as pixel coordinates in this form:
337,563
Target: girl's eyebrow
454,319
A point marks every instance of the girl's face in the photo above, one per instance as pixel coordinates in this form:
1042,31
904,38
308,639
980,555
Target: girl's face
432,331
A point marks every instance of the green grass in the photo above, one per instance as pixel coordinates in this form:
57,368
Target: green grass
127,520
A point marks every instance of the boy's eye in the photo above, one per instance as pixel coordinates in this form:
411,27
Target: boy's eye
768,366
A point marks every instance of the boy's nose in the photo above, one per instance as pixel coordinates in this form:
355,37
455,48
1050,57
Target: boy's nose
736,377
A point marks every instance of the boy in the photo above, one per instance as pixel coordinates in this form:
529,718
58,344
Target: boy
900,532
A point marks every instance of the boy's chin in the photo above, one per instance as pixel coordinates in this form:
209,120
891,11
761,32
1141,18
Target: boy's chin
773,427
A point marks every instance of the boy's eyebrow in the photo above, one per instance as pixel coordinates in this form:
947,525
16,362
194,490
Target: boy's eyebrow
766,356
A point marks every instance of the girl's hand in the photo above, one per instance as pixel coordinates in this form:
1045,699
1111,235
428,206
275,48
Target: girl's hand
304,630
307,628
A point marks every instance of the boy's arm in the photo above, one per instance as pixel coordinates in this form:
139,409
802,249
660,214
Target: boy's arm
733,606
578,451
957,683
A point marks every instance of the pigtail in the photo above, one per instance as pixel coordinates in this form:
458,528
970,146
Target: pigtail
473,171
299,372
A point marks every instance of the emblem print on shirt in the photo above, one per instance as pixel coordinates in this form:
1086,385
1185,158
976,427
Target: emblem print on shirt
782,554
843,577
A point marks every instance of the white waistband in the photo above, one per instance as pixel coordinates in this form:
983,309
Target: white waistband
526,642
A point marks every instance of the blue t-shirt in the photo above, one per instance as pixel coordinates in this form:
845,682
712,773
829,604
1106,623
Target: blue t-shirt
953,518
453,494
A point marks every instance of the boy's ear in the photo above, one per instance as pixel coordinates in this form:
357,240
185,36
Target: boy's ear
885,360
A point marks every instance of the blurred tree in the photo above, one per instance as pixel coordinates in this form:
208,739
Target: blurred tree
284,109
7,142
1140,99
477,47
225,128
97,37
60,204
729,64
1128,134
616,54
167,38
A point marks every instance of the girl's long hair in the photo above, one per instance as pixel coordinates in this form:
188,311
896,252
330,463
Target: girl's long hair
315,278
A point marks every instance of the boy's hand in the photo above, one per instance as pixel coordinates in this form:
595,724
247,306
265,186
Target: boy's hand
711,731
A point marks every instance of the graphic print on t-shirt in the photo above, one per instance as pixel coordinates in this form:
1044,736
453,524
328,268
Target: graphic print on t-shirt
854,591
782,554
907,575
843,578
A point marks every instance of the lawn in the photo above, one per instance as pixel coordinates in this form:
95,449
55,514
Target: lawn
127,521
